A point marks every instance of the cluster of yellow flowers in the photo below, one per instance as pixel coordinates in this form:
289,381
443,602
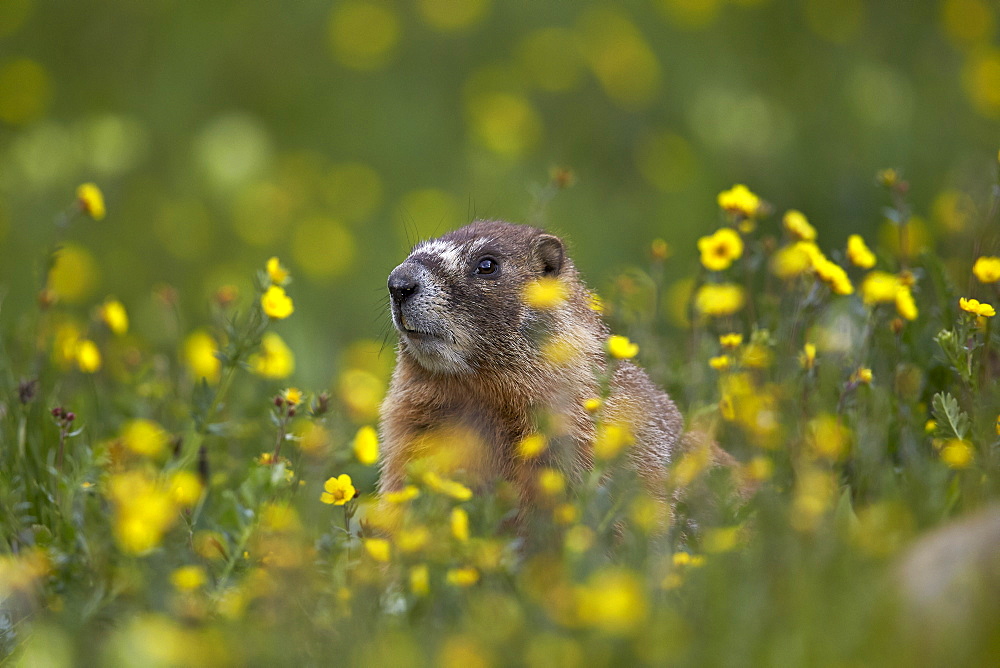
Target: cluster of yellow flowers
275,302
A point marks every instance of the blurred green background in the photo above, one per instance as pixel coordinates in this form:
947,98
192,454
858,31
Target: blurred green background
334,134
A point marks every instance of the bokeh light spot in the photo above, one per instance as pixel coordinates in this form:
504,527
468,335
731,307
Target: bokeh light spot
666,161
690,14
504,123
185,229
837,21
453,15
353,191
233,149
25,91
551,59
75,274
422,214
363,36
322,248
620,58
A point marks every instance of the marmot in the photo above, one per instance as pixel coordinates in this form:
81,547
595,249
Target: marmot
478,369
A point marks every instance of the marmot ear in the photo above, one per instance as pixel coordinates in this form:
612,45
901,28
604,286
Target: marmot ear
548,254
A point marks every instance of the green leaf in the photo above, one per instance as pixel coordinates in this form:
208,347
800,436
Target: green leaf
949,416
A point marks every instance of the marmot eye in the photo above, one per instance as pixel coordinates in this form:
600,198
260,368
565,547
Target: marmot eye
487,266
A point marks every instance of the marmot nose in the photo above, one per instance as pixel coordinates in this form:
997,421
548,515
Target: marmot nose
403,283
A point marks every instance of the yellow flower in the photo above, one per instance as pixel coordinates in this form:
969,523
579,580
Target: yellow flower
462,577
144,437
720,249
610,440
592,405
88,357
455,490
659,249
366,445
905,305
833,275
828,438
739,200
420,580
808,356
878,287
976,307
720,363
858,252
595,303
412,540
998,425
378,549
862,375
545,293
112,312
91,200
612,601
338,491
719,299
460,524
408,493
957,454
759,468
621,348
200,356
276,303
551,482
798,226
531,446
292,396
275,359
793,260
188,578
987,269
930,426
278,274
184,487
731,341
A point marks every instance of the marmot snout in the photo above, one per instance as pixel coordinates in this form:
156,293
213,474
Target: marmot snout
479,369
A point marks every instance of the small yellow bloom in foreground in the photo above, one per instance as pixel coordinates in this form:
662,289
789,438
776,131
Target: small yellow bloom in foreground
719,299
144,437
998,425
275,359
739,199
292,396
731,340
798,226
460,524
112,312
545,293
592,405
858,252
338,491
976,307
551,482
720,249
720,363
759,468
91,200
621,348
276,303
88,357
531,446
987,269
278,274
808,356
878,287
378,549
833,275
957,454
793,260
610,440
905,305
188,578
613,601
199,355
462,577
420,580
408,493
862,375
722,539
930,426
184,487
455,490
659,249
366,445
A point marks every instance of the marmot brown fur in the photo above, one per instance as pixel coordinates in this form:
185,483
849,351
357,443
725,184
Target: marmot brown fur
478,369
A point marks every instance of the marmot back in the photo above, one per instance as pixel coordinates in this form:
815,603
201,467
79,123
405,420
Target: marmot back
479,369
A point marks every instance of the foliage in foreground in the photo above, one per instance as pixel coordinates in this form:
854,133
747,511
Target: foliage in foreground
182,506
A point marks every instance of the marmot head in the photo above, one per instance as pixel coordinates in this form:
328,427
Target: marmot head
458,301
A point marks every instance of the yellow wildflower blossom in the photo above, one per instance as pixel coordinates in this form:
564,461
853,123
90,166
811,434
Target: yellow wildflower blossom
366,445
91,200
420,580
720,249
378,549
793,260
455,490
188,578
408,493
275,359
987,269
828,438
462,577
719,299
957,454
184,488
88,356
833,275
545,293
531,446
278,274
905,304
612,601
659,249
293,396
144,437
731,341
863,375
610,440
878,287
276,303
759,468
460,524
413,539
739,200
998,425
858,252
798,226
113,313
592,405
200,351
720,362
551,482
338,491
976,307
621,348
